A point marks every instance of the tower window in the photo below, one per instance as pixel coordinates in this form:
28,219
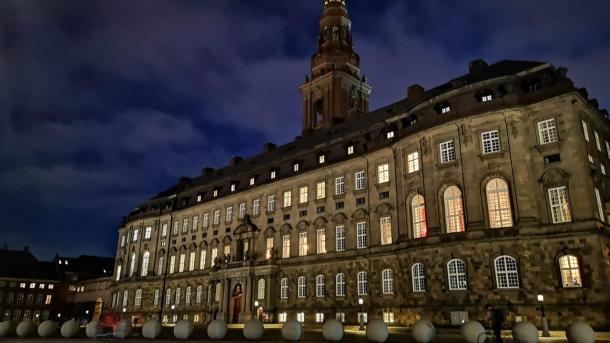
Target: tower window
233,187
321,159
252,181
445,109
295,167
350,150
273,174
389,134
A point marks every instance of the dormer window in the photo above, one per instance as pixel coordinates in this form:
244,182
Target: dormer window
389,134
215,194
252,180
273,174
199,198
445,108
321,159
484,96
487,98
296,167
233,187
350,150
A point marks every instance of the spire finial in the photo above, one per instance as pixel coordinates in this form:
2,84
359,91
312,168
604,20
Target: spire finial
328,3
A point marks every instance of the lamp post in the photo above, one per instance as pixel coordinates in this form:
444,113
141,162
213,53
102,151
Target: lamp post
361,316
545,324
255,309
173,307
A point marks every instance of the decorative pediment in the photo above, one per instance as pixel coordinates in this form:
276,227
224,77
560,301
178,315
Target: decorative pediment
161,252
360,214
383,209
227,239
286,228
269,232
339,218
320,222
182,248
203,244
554,177
215,242
302,225
244,228
193,246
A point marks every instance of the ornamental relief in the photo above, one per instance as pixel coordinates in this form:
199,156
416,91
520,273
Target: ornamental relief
320,222
425,146
360,214
285,229
339,218
302,225
227,239
554,177
383,209
269,232
450,178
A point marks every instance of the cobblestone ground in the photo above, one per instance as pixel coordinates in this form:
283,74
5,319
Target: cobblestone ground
274,335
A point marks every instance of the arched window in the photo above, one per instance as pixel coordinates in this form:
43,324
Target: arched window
132,264
387,281
145,259
187,296
454,209
168,296
456,272
284,288
118,272
161,265
418,215
340,285
261,289
418,276
218,292
157,294
498,204
570,271
302,287
178,296
320,286
507,275
363,284
199,295
125,298
137,302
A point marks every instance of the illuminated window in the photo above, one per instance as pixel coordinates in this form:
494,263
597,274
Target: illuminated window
560,209
340,238
178,296
242,210
340,185
214,256
260,289
206,219
172,264
385,227
597,142
600,208
413,162
185,225
321,190
350,150
383,173
269,249
570,271
125,298
301,287
192,261
233,187
486,98
199,294
282,317
284,288
216,217
168,296
175,229
132,264
320,286
360,181
445,109
301,316
547,131
161,265
252,180
256,207
48,299
447,152
490,141
215,193
137,302
321,159
456,271
286,246
303,195
287,198
202,258
507,275
585,130
340,285
418,277
388,317
321,241
157,294
319,317
295,167
273,174
187,296
418,216
145,260
302,243
227,249
363,284
387,281
498,203
148,232
389,134
181,263
454,211
361,235
229,214
271,203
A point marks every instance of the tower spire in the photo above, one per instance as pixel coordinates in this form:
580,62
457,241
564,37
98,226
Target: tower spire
335,92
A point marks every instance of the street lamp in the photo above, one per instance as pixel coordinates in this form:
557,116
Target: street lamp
173,307
361,317
255,308
86,311
545,324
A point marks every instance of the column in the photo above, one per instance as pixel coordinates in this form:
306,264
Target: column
249,296
224,306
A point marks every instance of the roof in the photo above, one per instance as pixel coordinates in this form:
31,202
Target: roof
86,266
21,264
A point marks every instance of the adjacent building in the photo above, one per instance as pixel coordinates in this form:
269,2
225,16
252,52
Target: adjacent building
489,189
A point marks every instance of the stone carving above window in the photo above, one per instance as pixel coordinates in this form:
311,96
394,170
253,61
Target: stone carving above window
360,214
320,222
339,218
302,225
383,209
554,177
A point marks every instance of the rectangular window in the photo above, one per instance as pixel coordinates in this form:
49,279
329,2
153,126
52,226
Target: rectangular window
216,217
490,141
608,149
273,174
385,226
148,232
350,150
195,223
389,134
242,210
360,181
303,196
287,198
558,200
319,317
256,207
286,246
181,263
271,203
602,169
340,238
164,230
597,142
388,317
413,162
227,249
214,256
282,316
301,317
269,250
229,214
185,225
321,190
136,233
175,229
192,261
447,152
383,173
340,316
585,130
321,159
600,208
252,180
321,241
122,241
295,167
340,185
302,243
361,235
202,258
206,219
172,264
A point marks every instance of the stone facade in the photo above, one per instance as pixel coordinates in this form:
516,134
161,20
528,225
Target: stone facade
554,226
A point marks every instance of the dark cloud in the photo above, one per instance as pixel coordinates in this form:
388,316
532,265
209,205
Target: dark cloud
103,103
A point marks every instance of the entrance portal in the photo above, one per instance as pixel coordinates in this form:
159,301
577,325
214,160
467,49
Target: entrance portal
237,295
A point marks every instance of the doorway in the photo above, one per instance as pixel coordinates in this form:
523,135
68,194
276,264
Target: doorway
237,297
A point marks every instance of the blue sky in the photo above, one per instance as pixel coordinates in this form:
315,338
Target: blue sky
104,103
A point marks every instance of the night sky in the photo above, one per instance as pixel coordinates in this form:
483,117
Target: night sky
105,103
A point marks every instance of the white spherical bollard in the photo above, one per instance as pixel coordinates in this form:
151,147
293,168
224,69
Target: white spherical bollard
26,328
152,329
423,331
6,328
580,332
93,329
217,329
473,332
47,328
332,330
525,332
183,329
376,331
291,330
254,329
122,329
69,329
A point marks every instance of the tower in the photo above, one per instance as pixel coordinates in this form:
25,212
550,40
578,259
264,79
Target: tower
335,92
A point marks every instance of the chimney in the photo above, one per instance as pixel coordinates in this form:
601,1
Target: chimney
207,171
235,160
477,66
415,91
268,147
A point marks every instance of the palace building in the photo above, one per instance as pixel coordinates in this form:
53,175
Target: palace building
489,189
